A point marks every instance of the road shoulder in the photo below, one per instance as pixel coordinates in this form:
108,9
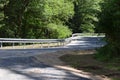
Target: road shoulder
53,60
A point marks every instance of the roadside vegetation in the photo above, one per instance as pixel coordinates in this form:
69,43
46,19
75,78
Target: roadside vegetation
47,18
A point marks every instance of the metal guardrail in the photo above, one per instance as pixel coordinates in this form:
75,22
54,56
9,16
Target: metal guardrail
60,42
89,34
13,40
31,41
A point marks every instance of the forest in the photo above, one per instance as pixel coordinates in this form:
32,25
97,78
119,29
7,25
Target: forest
47,18
60,18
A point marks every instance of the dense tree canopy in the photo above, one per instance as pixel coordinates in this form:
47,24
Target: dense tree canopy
85,17
2,3
110,24
47,12
31,18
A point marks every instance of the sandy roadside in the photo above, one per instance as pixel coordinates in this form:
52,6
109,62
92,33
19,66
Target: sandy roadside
52,59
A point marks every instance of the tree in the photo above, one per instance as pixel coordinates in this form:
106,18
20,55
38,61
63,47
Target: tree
2,3
85,17
30,18
109,23
13,14
48,12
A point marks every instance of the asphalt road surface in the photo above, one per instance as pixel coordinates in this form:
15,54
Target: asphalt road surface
21,65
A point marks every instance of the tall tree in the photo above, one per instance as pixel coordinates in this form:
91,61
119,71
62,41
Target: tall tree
85,17
2,4
110,24
2,22
31,18
42,13
13,14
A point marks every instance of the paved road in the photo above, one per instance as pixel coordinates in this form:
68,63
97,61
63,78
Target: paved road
21,65
86,43
26,68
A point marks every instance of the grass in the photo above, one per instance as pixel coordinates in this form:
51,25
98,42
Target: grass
84,60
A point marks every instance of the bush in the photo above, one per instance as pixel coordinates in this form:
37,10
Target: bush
58,30
107,53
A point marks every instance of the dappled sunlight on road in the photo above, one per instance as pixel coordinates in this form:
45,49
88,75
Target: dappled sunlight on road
11,75
28,68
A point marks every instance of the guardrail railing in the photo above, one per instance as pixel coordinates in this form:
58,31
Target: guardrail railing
42,42
89,34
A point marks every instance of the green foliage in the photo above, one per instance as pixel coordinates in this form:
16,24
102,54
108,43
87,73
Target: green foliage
29,18
105,53
2,3
109,23
13,15
85,17
58,9
58,30
87,27
40,14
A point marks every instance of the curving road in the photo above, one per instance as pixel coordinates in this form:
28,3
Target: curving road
21,65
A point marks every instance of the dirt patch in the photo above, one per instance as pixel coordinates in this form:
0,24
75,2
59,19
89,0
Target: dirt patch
53,59
84,60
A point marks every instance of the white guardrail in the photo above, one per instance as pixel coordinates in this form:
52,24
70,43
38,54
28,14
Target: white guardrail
13,41
59,42
89,34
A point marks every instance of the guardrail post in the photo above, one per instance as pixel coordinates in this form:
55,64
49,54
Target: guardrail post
40,45
58,43
62,43
13,45
33,45
47,44
1,44
23,45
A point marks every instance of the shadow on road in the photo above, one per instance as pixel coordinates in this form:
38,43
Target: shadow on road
27,68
